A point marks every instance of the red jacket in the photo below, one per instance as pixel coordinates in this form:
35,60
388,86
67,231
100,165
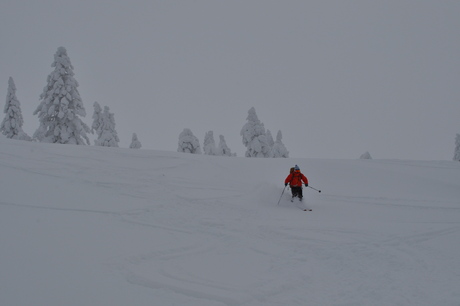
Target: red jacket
295,179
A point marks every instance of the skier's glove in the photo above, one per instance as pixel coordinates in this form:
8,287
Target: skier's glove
306,185
285,185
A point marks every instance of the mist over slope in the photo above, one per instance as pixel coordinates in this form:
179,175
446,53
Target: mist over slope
84,225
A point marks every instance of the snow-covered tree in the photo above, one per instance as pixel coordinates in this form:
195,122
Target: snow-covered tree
223,149
61,107
188,143
209,145
107,135
457,148
365,155
98,120
278,149
270,140
135,143
254,136
11,125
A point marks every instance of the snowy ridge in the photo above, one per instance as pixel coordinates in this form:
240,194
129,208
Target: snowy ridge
85,225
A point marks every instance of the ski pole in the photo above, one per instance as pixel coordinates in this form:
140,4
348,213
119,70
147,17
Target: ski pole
314,189
281,195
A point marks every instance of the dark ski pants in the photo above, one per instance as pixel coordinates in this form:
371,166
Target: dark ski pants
296,191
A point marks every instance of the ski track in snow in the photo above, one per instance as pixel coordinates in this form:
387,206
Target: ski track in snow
176,229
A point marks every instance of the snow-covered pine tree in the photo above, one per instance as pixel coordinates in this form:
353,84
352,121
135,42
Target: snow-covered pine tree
254,137
135,143
278,149
188,143
365,155
11,125
209,145
457,148
223,149
107,135
270,142
61,107
98,120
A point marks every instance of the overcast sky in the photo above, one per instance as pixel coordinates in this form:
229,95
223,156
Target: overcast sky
338,78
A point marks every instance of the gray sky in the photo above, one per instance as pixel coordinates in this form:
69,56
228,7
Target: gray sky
338,78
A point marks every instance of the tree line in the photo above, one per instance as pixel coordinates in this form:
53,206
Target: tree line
258,141
61,108
59,112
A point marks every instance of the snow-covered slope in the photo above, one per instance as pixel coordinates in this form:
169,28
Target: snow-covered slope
86,225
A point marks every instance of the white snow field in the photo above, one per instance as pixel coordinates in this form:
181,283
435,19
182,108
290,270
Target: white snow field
85,225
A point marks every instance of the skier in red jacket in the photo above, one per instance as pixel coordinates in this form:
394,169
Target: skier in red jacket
295,180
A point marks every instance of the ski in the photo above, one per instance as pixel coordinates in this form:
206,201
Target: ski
301,208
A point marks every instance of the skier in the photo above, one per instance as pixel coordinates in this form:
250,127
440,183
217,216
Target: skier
295,180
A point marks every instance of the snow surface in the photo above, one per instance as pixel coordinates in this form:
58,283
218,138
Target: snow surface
83,225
